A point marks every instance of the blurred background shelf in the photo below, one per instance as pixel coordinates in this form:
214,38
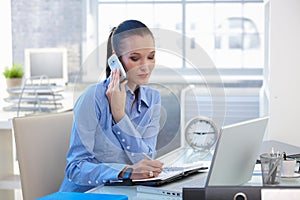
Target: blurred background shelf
36,94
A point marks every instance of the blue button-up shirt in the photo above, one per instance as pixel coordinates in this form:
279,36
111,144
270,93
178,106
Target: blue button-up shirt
99,147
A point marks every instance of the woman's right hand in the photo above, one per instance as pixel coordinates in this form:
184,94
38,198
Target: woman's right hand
146,168
116,95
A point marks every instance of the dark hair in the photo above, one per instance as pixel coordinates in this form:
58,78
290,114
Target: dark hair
124,30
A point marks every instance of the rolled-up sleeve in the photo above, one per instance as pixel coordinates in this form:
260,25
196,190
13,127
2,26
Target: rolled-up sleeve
83,168
137,139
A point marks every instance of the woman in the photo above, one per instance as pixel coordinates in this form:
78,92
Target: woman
116,123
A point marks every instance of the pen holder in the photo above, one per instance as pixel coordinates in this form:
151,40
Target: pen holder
271,168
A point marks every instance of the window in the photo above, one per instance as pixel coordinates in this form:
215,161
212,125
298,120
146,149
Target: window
237,33
231,32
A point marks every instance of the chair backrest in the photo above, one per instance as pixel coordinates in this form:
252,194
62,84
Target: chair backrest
169,135
42,143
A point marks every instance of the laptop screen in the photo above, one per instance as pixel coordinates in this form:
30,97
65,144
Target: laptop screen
236,152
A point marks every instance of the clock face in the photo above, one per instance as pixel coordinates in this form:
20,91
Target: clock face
201,133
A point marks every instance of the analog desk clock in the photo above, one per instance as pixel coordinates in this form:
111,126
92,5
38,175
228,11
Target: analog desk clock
201,133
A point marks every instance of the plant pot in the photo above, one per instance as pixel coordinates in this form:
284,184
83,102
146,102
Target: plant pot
11,83
14,82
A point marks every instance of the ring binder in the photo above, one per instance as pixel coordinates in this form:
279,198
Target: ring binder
223,193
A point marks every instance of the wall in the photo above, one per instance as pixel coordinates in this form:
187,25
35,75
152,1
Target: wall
5,39
46,24
5,43
284,62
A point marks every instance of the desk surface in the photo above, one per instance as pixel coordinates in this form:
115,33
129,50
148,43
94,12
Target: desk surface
133,194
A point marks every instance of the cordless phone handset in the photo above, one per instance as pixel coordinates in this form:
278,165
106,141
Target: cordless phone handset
114,63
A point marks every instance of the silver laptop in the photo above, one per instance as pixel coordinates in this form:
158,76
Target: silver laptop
233,161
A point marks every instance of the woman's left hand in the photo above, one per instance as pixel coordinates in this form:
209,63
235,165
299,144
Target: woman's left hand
116,95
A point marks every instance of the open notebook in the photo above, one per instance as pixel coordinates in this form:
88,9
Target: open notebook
168,175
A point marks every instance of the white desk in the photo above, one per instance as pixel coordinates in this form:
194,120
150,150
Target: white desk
256,180
133,194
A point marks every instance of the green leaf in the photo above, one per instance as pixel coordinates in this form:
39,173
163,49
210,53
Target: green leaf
16,71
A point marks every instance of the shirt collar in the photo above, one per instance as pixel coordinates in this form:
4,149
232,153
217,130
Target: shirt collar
141,96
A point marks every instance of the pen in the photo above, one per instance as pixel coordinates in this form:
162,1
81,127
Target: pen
146,156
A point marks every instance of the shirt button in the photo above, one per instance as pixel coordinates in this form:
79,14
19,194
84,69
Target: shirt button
118,132
89,182
123,140
103,181
132,154
97,182
128,147
70,179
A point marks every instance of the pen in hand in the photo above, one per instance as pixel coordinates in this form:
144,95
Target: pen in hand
146,156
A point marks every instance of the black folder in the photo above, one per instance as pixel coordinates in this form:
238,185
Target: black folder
160,180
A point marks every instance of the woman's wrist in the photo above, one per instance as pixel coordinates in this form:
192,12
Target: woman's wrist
124,172
118,117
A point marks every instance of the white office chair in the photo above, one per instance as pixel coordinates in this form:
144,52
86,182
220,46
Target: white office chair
42,143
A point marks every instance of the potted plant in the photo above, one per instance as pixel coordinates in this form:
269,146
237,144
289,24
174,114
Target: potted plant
14,75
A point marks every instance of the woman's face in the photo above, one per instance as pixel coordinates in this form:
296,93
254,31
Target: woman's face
138,58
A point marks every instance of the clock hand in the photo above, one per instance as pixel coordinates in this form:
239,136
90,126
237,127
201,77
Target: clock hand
203,133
